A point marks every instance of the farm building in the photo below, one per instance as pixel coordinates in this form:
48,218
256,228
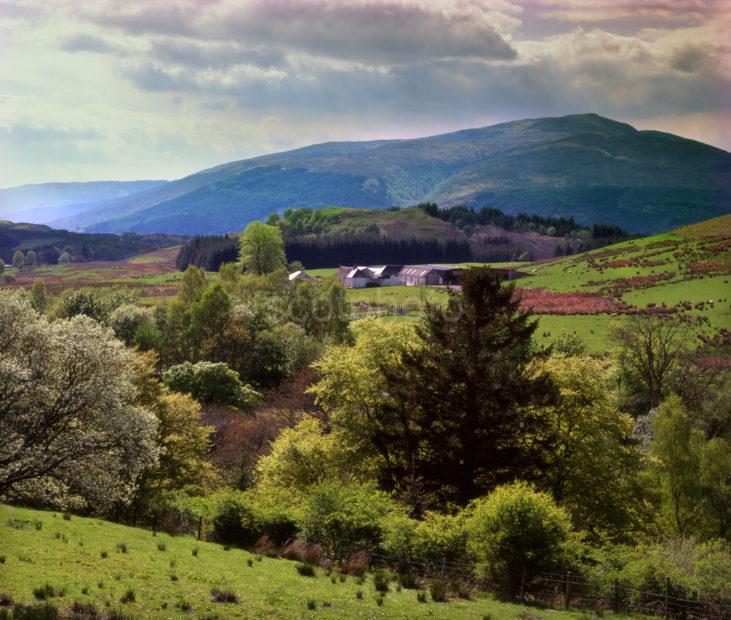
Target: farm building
299,275
430,275
394,275
361,277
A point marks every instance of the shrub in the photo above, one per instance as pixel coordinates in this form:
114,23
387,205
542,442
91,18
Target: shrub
306,570
210,382
302,551
379,600
408,580
224,596
233,522
311,604
2,559
438,589
381,579
127,319
516,527
104,554
128,596
173,578
161,546
66,516
47,591
357,563
249,562
421,597
359,594
121,547
195,552
45,611
463,590
184,606
344,518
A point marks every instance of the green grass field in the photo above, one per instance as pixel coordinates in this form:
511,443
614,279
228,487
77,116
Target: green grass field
685,270
98,562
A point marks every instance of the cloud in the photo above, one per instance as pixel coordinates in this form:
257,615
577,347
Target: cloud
165,87
377,31
691,58
613,10
197,55
87,43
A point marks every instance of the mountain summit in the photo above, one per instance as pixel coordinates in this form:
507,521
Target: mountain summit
586,166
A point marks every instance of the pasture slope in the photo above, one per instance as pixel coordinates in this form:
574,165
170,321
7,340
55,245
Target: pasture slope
99,563
685,272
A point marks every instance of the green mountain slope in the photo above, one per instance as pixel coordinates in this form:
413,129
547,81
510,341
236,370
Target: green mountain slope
585,166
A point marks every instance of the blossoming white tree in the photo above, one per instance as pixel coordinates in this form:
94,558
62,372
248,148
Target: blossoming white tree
71,431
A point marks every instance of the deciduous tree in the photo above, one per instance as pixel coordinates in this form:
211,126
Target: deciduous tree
71,429
262,248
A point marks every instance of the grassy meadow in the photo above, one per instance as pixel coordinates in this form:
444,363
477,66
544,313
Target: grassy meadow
687,271
147,575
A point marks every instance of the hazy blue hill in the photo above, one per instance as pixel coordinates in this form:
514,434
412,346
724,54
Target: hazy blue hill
84,246
585,166
45,202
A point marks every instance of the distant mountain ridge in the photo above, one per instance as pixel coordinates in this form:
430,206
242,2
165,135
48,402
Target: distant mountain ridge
42,203
583,166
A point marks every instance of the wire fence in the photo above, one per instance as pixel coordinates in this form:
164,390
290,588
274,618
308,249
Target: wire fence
556,590
571,591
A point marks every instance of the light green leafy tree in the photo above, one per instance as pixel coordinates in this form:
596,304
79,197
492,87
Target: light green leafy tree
18,259
38,296
261,248
211,382
693,475
514,528
593,465
127,319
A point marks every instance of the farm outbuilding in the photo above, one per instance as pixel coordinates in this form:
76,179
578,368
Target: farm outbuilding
430,275
299,275
361,277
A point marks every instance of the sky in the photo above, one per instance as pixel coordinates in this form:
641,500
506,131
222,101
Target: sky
158,89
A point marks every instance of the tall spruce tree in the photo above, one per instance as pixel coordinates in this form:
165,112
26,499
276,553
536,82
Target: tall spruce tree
464,404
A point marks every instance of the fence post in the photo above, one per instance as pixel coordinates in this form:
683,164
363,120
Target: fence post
522,585
615,597
567,589
200,527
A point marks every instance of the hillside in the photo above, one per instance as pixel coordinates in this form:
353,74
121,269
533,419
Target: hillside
45,202
49,242
96,563
583,166
683,273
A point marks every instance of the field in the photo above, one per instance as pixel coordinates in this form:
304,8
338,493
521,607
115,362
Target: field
152,274
684,273
97,562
